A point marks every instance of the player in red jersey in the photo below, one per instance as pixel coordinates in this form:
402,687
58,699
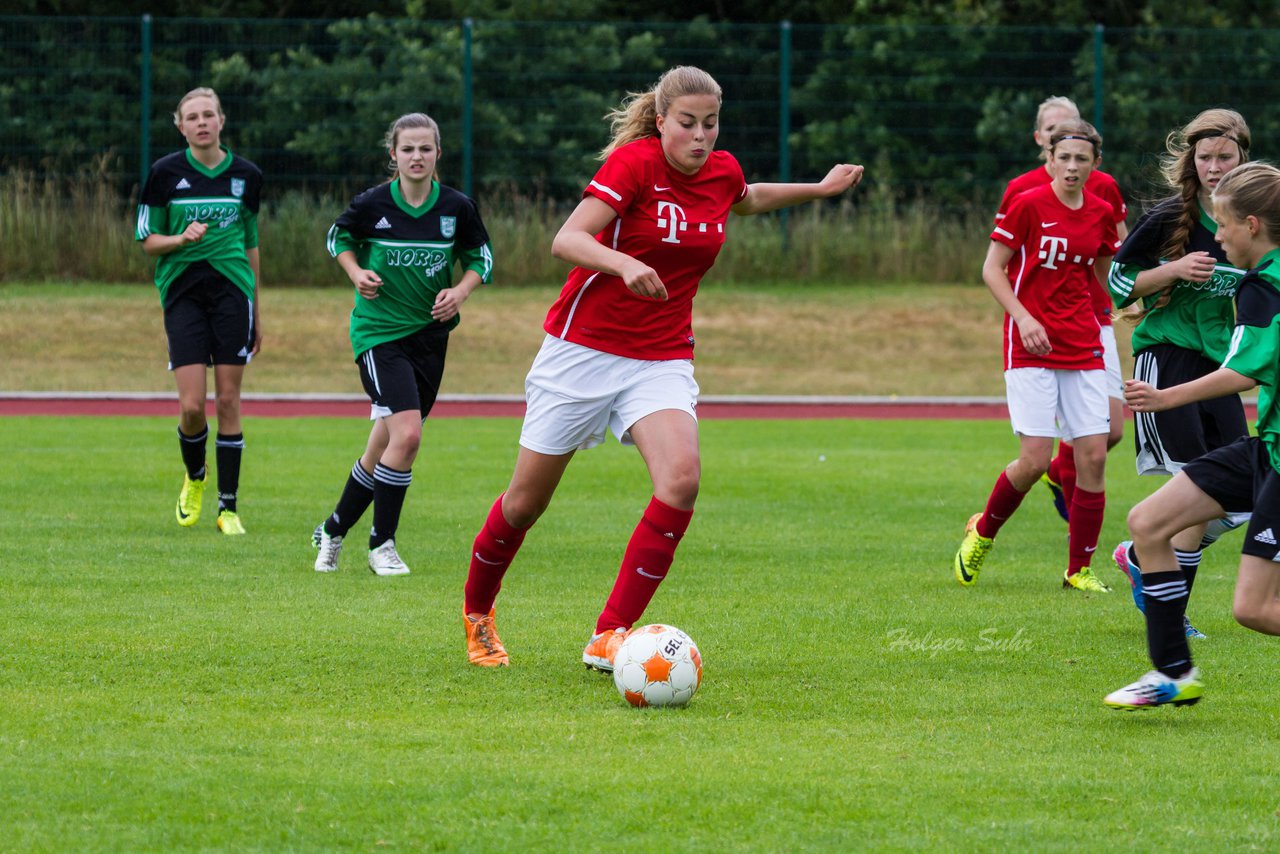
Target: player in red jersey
1061,476
619,345
1041,269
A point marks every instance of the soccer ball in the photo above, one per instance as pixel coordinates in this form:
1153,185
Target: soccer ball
657,665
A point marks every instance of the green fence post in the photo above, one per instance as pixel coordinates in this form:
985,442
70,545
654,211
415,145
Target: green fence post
144,102
467,83
784,121
1097,76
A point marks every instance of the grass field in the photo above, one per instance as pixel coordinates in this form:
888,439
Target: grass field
163,689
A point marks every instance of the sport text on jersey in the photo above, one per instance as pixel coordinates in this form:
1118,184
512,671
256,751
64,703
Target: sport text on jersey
223,212
427,260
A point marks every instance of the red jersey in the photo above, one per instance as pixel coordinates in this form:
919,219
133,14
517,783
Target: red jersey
1051,271
673,222
1100,184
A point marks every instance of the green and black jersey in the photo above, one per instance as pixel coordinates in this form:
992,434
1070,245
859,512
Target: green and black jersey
413,250
181,190
1199,315
1255,345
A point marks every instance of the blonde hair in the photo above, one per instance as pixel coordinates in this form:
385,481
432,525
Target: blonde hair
1053,102
409,121
1076,129
637,118
1058,101
198,92
1178,168
1252,189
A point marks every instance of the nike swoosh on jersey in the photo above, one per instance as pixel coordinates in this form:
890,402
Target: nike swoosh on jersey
658,189
1048,224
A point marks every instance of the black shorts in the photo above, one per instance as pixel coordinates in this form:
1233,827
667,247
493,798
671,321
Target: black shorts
208,320
1167,441
405,374
1241,478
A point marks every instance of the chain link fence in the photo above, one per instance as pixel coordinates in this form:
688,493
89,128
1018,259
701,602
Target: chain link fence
942,114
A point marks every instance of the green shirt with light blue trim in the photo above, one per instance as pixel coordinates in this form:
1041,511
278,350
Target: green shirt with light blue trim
413,250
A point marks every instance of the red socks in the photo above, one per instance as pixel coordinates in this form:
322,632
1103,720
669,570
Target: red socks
648,557
494,549
1002,504
1083,528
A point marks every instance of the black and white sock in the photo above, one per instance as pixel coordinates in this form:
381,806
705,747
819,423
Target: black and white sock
356,497
389,488
193,452
228,448
1165,597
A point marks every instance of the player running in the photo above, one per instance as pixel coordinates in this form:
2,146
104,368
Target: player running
1041,269
1243,477
619,347
398,243
1172,262
198,216
1061,475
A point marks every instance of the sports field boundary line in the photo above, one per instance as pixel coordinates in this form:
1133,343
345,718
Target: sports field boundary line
299,405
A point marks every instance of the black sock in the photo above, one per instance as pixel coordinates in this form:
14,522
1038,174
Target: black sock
193,452
1189,563
356,497
1165,597
389,488
229,449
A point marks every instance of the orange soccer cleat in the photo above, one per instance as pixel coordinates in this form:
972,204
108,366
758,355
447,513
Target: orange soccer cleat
484,647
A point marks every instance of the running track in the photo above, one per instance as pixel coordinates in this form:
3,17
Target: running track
459,406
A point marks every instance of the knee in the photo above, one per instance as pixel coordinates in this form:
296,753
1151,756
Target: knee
679,488
1250,616
1145,523
228,404
191,413
408,441
522,509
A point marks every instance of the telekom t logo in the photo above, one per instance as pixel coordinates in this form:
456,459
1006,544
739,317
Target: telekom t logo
671,217
1049,251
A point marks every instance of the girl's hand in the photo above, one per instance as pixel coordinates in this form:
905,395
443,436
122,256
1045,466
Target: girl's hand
193,233
642,280
1034,339
1142,397
257,338
842,176
1193,267
447,304
367,283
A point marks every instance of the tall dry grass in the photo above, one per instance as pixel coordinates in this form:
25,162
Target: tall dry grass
78,228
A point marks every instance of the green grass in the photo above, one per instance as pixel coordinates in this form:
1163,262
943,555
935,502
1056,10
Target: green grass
164,689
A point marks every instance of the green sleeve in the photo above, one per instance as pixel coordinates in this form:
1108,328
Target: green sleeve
250,228
1254,353
479,259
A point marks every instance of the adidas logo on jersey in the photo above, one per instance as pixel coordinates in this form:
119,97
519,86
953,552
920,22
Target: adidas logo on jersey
382,223
183,185
1266,537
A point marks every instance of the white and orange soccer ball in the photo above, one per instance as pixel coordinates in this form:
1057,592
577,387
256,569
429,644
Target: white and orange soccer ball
657,665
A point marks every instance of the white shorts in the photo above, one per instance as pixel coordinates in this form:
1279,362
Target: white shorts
1055,403
573,393
1111,362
